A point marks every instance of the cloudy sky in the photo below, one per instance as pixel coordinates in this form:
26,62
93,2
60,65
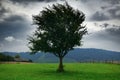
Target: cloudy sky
102,21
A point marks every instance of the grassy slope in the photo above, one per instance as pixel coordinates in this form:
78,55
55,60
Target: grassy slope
74,71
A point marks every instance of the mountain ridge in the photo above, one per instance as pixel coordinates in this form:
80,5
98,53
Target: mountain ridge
76,55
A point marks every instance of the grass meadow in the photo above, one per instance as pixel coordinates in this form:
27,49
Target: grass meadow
47,71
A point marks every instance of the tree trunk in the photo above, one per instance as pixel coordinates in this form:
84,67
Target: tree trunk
60,68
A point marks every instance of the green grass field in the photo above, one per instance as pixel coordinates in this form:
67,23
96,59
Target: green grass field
74,71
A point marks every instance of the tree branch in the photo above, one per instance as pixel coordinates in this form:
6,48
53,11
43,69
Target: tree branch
56,54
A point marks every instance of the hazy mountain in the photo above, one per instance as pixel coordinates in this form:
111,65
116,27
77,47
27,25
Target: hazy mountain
76,55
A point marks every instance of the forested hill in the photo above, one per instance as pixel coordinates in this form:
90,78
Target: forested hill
76,55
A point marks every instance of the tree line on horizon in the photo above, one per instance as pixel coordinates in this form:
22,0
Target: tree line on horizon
16,58
4,57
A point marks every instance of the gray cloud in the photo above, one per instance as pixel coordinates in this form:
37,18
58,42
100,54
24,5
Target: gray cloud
107,10
14,18
114,12
14,25
98,16
113,9
2,9
104,25
112,31
103,7
113,35
107,25
113,2
108,13
27,1
85,1
14,31
107,38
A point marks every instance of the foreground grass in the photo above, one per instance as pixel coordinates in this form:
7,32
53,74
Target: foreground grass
74,71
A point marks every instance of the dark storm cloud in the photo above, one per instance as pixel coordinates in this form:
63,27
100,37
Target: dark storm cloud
112,32
114,12
98,16
107,9
112,29
113,9
113,2
14,25
84,1
27,1
106,38
14,18
104,25
103,7
107,26
2,9
103,39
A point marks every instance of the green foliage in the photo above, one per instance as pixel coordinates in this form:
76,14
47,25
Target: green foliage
6,57
76,71
59,30
17,56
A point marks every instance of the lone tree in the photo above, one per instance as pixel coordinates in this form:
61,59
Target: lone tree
59,30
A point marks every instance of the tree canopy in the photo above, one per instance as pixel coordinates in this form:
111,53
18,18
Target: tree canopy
59,30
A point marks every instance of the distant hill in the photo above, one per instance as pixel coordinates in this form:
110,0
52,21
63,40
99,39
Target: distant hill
76,55
4,57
